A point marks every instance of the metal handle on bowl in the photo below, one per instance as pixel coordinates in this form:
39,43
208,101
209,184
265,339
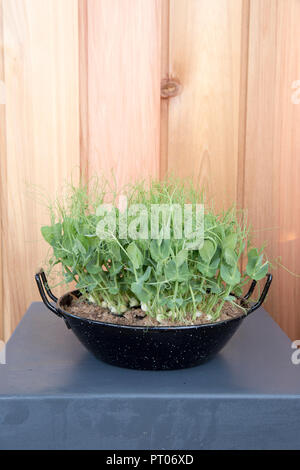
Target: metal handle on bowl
250,291
263,294
42,284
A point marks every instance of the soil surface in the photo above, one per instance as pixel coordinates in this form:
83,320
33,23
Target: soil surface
137,317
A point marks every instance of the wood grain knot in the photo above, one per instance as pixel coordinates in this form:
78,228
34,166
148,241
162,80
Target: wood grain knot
170,87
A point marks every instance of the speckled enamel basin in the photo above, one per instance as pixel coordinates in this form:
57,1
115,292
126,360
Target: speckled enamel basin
148,348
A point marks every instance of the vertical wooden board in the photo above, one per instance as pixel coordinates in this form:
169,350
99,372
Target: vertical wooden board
272,163
124,88
83,87
2,167
164,104
42,124
205,56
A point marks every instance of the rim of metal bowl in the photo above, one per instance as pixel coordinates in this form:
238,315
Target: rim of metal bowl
144,327
43,287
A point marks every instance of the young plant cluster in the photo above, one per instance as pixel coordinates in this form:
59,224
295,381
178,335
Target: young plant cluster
165,276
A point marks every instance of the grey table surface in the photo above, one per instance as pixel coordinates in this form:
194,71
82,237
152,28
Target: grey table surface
56,395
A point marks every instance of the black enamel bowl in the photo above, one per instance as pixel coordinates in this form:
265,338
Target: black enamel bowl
148,348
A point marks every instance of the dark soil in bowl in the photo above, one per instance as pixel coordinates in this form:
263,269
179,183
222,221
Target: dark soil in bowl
137,317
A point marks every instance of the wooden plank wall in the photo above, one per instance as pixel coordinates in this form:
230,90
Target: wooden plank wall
3,165
205,56
42,134
83,90
272,152
123,88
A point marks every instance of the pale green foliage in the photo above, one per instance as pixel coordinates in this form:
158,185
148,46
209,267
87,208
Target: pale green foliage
169,279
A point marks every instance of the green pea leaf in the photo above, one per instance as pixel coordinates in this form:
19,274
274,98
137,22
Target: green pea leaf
135,255
144,277
230,256
93,268
160,250
207,251
78,247
47,233
210,270
173,272
230,274
51,234
181,257
256,269
261,272
230,241
238,291
144,295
